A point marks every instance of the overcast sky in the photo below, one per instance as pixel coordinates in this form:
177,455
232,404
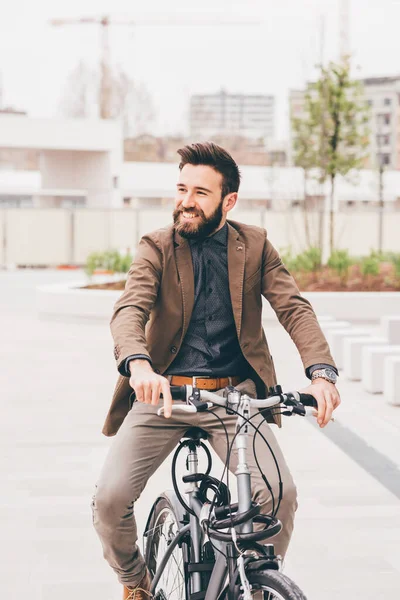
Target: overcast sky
174,62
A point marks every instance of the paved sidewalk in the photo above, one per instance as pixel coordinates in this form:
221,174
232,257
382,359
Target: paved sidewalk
56,381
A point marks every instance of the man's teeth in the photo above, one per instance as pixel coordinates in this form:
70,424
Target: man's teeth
188,215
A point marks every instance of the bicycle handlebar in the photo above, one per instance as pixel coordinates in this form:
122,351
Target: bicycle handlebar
183,392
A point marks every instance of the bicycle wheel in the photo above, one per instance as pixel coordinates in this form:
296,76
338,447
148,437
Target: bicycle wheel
163,527
272,585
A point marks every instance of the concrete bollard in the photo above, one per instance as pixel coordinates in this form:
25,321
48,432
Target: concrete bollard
391,376
390,326
352,348
372,362
336,337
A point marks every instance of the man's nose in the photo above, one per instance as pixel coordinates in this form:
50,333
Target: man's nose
188,201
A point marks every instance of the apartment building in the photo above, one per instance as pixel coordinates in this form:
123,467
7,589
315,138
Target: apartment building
383,96
246,115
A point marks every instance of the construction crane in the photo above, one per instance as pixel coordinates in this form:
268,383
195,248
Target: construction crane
344,29
105,22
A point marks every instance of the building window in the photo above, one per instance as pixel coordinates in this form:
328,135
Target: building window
383,139
383,119
386,159
387,101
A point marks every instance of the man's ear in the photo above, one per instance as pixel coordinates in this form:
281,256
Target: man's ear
230,201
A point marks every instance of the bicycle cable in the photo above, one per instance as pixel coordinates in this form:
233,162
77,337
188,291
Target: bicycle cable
227,462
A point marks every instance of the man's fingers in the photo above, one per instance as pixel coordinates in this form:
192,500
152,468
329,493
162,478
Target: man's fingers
336,400
155,393
166,391
147,392
138,391
321,406
329,407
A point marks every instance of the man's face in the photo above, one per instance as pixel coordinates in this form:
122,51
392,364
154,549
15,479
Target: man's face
198,202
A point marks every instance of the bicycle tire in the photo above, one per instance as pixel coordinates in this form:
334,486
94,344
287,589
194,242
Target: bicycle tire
272,585
162,527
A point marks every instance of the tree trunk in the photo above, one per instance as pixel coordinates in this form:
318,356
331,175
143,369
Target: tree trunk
332,216
306,222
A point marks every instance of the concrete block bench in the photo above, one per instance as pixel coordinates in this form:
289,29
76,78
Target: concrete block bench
352,348
336,337
372,363
328,325
390,326
391,376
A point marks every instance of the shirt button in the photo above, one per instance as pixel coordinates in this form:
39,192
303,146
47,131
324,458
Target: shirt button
173,349
209,262
210,318
209,290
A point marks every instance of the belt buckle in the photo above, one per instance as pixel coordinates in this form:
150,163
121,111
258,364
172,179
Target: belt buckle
196,377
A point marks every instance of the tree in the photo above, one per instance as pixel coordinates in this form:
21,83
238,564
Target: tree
129,100
336,119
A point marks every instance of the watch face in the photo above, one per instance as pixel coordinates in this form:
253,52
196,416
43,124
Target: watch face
331,374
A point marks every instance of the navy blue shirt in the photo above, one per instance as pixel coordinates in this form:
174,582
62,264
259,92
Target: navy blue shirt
211,345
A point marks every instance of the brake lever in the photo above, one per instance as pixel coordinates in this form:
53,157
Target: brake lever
187,408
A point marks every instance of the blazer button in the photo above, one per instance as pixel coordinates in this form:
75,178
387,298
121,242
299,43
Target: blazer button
173,349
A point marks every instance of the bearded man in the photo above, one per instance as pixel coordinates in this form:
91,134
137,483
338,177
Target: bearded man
191,313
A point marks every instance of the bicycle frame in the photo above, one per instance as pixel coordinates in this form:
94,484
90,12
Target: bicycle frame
226,559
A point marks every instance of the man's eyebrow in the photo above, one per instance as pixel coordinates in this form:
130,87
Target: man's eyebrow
196,187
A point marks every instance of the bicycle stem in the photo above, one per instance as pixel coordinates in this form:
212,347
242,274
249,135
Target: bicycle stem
242,471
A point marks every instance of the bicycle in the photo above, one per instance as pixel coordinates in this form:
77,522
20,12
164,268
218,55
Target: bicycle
208,549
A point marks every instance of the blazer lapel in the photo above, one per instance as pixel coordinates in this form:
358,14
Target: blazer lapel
236,262
184,265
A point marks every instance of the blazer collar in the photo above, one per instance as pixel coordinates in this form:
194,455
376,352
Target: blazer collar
236,263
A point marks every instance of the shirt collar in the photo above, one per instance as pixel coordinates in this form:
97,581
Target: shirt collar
220,236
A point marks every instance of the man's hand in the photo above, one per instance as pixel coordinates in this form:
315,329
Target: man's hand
148,385
327,397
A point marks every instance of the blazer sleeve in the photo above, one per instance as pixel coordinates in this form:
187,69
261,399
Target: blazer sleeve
132,309
294,312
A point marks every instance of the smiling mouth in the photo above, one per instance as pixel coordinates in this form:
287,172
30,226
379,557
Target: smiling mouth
189,216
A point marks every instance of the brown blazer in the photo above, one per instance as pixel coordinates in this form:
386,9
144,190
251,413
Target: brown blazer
153,313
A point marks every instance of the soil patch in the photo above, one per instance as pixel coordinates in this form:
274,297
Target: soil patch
323,280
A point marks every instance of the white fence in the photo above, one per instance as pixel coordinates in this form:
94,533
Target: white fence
61,236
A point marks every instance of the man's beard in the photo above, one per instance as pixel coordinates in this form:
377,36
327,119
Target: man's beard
202,228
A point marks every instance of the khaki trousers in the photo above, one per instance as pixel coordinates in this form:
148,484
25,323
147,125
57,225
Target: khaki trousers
142,443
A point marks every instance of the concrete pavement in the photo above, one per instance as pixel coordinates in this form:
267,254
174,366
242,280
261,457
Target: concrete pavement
56,381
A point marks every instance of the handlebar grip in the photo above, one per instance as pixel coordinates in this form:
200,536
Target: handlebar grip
308,400
178,392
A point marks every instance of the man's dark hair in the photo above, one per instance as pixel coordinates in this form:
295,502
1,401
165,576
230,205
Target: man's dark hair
212,155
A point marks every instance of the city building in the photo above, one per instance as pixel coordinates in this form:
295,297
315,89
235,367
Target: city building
226,114
383,96
79,162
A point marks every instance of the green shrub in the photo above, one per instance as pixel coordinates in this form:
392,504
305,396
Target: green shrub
369,266
111,260
309,260
395,259
288,259
93,262
340,261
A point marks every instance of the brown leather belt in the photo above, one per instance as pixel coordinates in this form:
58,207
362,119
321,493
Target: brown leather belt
205,383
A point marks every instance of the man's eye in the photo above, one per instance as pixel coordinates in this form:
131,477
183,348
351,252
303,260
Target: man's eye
201,193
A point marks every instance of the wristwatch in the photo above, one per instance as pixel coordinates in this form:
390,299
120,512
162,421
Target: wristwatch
328,374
